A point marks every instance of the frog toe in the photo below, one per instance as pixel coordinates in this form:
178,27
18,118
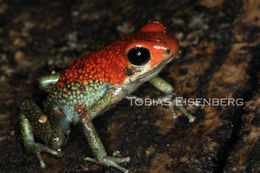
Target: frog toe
114,162
42,163
178,105
119,159
111,161
57,153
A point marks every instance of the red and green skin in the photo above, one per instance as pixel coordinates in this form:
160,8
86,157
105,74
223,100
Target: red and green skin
92,84
109,65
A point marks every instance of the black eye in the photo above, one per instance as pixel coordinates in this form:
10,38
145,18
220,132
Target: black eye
138,56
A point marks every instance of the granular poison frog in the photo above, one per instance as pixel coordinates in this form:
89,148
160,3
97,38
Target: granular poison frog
94,83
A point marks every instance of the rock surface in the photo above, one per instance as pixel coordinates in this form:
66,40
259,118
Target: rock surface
219,57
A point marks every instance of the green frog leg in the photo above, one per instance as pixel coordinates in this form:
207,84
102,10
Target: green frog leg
33,122
113,96
165,87
47,82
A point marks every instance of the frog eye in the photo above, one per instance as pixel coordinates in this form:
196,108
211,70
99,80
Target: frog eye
139,56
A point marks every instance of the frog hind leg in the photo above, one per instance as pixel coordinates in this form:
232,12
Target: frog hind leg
34,122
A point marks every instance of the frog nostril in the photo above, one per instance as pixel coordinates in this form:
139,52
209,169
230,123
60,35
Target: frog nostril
168,51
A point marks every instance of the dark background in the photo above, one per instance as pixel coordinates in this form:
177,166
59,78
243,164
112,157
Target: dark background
219,57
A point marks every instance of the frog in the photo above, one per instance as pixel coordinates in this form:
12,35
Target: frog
93,84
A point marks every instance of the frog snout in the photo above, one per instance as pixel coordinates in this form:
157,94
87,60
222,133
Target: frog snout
172,45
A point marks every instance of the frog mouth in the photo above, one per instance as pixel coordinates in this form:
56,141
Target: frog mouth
156,70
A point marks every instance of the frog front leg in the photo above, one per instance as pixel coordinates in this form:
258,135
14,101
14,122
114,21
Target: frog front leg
165,87
47,82
112,96
34,123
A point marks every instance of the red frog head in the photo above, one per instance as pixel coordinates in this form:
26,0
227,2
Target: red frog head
135,58
148,51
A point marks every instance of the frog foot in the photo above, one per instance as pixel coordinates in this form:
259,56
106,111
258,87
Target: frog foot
178,103
184,111
38,148
111,161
